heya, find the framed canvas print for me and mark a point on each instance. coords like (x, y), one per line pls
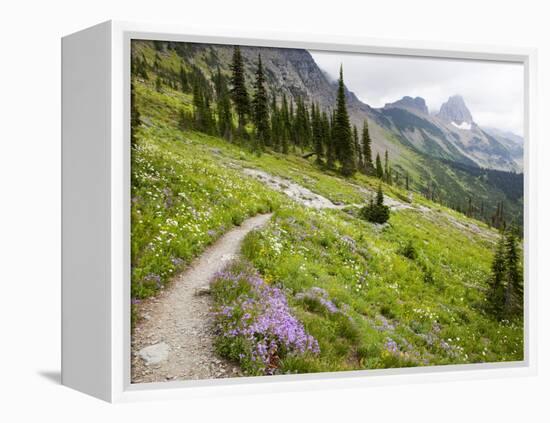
(273, 212)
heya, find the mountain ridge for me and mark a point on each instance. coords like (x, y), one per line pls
(418, 143)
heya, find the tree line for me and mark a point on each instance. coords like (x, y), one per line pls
(226, 106)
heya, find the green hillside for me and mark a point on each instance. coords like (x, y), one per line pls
(412, 292)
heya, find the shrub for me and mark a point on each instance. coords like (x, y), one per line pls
(408, 250)
(376, 212)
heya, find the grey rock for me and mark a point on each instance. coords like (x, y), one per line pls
(407, 102)
(455, 110)
(202, 290)
(155, 354)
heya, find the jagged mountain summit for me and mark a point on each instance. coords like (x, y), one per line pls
(417, 104)
(454, 111)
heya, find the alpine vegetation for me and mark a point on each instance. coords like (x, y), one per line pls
(280, 225)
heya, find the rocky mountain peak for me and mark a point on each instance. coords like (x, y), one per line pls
(417, 103)
(455, 110)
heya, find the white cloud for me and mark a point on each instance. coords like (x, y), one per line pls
(493, 91)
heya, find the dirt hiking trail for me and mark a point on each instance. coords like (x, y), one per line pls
(174, 339)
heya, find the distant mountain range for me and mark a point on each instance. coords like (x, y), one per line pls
(452, 134)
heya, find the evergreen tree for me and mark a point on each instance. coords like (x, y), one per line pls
(470, 208)
(275, 125)
(203, 118)
(331, 145)
(292, 126)
(407, 181)
(261, 108)
(379, 169)
(317, 133)
(505, 294)
(285, 126)
(357, 148)
(497, 281)
(327, 140)
(238, 89)
(134, 115)
(219, 81)
(387, 175)
(300, 124)
(376, 211)
(497, 219)
(185, 120)
(367, 151)
(342, 131)
(225, 116)
(513, 300)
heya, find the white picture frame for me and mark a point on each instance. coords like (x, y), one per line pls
(96, 202)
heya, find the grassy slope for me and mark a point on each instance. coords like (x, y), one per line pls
(187, 191)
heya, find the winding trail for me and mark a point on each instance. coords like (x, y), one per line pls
(174, 340)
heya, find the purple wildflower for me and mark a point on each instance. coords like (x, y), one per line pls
(391, 346)
(261, 316)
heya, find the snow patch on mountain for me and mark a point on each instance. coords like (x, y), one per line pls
(464, 125)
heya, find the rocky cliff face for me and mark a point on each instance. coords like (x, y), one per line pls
(418, 104)
(455, 110)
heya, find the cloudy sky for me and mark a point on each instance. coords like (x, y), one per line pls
(492, 91)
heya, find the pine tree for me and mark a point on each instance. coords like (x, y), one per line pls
(387, 174)
(285, 126)
(238, 89)
(505, 294)
(225, 116)
(261, 108)
(342, 131)
(275, 125)
(204, 121)
(331, 145)
(496, 282)
(513, 299)
(300, 124)
(379, 168)
(185, 120)
(470, 209)
(497, 219)
(376, 211)
(357, 148)
(368, 166)
(219, 81)
(292, 127)
(327, 140)
(407, 181)
(134, 115)
(379, 196)
(317, 132)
